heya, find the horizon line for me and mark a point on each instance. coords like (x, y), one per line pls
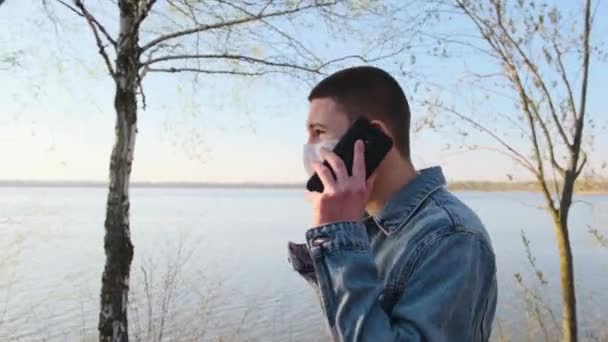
(99, 183)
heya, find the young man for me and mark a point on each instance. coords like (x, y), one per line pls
(420, 267)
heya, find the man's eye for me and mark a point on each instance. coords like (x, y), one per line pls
(318, 132)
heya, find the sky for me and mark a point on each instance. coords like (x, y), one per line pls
(57, 117)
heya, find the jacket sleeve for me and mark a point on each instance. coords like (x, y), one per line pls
(450, 294)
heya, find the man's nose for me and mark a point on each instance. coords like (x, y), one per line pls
(313, 140)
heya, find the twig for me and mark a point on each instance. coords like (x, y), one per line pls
(524, 161)
(362, 58)
(539, 275)
(141, 89)
(582, 164)
(562, 72)
(534, 70)
(102, 51)
(548, 139)
(149, 300)
(229, 23)
(84, 14)
(273, 27)
(532, 301)
(211, 72)
(247, 59)
(599, 237)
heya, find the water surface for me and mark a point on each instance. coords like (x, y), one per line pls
(215, 262)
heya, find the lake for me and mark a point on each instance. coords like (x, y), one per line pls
(211, 264)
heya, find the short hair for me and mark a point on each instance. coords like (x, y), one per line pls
(372, 93)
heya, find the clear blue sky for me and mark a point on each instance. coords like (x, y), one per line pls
(56, 119)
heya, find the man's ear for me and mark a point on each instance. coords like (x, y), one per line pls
(382, 126)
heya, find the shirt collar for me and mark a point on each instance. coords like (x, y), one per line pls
(402, 206)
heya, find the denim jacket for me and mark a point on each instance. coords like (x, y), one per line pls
(422, 269)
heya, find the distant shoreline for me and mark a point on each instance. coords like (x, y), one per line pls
(583, 186)
(193, 185)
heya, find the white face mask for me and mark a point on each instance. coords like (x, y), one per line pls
(312, 152)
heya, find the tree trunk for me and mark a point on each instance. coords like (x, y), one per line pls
(569, 326)
(113, 323)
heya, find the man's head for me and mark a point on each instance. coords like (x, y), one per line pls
(366, 91)
(338, 100)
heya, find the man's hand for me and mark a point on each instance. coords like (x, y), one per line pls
(344, 197)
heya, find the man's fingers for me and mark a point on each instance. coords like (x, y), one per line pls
(329, 183)
(336, 164)
(359, 161)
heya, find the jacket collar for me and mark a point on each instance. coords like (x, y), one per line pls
(403, 205)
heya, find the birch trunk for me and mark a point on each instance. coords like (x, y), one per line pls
(113, 323)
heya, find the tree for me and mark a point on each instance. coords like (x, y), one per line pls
(217, 37)
(537, 51)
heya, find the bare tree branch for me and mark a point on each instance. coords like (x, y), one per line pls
(530, 115)
(548, 138)
(540, 174)
(143, 13)
(361, 58)
(483, 28)
(556, 185)
(582, 164)
(273, 27)
(141, 89)
(507, 154)
(584, 82)
(68, 6)
(511, 69)
(198, 38)
(449, 39)
(516, 155)
(91, 21)
(165, 16)
(575, 168)
(521, 129)
(249, 59)
(179, 9)
(534, 70)
(513, 75)
(268, 3)
(564, 76)
(148, 7)
(84, 13)
(526, 104)
(489, 75)
(202, 28)
(241, 58)
(168, 47)
(211, 72)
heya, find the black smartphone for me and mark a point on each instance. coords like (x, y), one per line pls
(377, 145)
